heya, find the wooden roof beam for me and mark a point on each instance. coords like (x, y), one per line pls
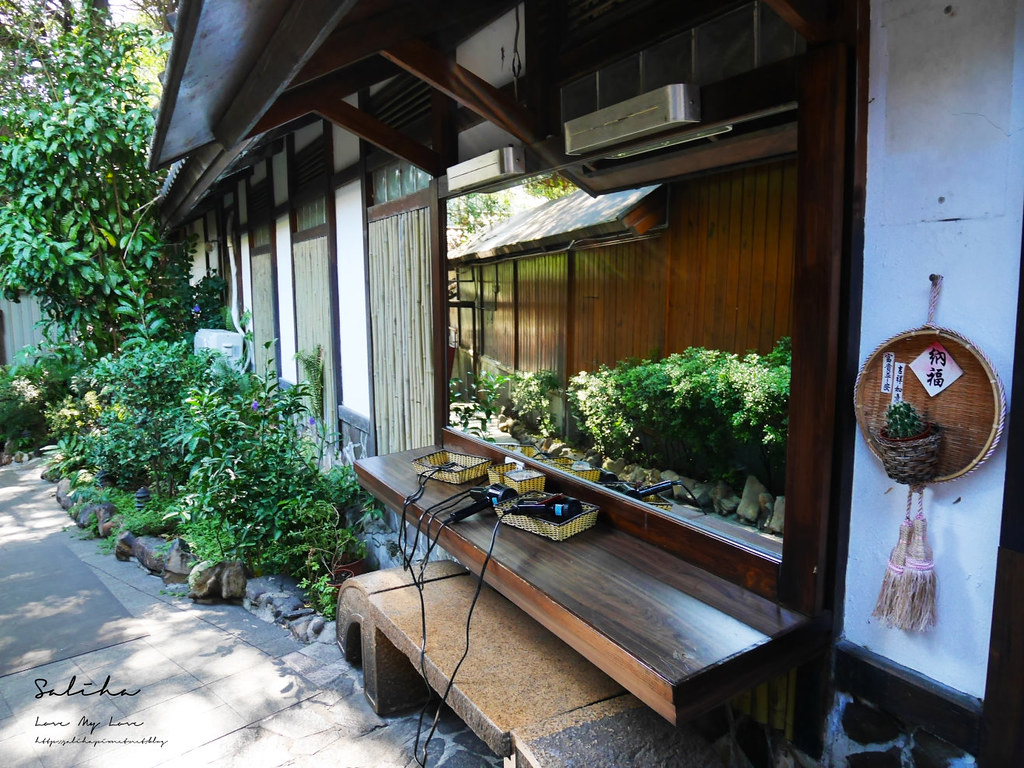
(296, 102)
(810, 18)
(369, 128)
(461, 85)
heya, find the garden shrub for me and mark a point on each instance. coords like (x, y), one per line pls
(529, 395)
(703, 412)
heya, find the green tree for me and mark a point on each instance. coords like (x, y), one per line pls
(78, 225)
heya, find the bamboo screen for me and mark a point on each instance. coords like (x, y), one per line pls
(263, 330)
(400, 318)
(313, 278)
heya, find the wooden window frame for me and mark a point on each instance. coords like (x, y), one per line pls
(797, 581)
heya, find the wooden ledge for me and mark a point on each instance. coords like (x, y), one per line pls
(679, 638)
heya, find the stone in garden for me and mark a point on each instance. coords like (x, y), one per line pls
(546, 444)
(65, 497)
(615, 466)
(724, 498)
(178, 563)
(21, 457)
(50, 474)
(328, 634)
(125, 546)
(702, 492)
(638, 475)
(778, 521)
(149, 551)
(767, 504)
(82, 514)
(520, 433)
(556, 449)
(210, 581)
(680, 492)
(593, 458)
(669, 475)
(316, 626)
(104, 514)
(107, 528)
(750, 507)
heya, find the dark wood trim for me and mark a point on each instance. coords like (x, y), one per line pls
(344, 176)
(273, 273)
(749, 148)
(461, 85)
(332, 260)
(411, 202)
(914, 699)
(1002, 735)
(302, 30)
(369, 128)
(320, 230)
(364, 189)
(438, 214)
(812, 19)
(712, 552)
(817, 271)
(297, 102)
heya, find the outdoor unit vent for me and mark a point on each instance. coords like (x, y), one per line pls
(498, 165)
(643, 115)
(226, 343)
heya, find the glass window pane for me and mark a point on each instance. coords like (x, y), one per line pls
(579, 97)
(619, 82)
(669, 62)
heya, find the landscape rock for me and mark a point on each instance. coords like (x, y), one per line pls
(702, 492)
(749, 507)
(125, 546)
(209, 581)
(767, 504)
(50, 474)
(638, 475)
(669, 475)
(178, 563)
(316, 626)
(328, 634)
(150, 552)
(615, 466)
(724, 498)
(681, 492)
(778, 521)
(555, 449)
(65, 497)
(107, 528)
(21, 457)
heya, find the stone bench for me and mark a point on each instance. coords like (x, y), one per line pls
(530, 697)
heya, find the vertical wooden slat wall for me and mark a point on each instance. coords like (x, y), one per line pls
(19, 325)
(262, 311)
(541, 293)
(400, 312)
(730, 259)
(620, 299)
(311, 261)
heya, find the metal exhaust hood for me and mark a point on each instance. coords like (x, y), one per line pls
(649, 113)
(505, 164)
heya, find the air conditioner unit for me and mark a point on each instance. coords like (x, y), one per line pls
(227, 343)
(497, 165)
(643, 115)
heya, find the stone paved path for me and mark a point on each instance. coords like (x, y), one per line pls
(216, 686)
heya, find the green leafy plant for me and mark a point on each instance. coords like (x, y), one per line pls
(902, 421)
(530, 395)
(476, 400)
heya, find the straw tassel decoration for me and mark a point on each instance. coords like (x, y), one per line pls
(907, 597)
(890, 593)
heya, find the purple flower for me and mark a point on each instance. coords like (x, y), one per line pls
(255, 405)
(312, 421)
(196, 309)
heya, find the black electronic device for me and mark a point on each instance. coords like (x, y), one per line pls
(651, 490)
(552, 507)
(483, 498)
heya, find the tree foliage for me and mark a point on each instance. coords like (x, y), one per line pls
(78, 225)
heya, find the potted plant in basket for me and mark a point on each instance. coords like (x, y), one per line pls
(908, 444)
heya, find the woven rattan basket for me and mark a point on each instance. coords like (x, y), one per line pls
(527, 450)
(584, 470)
(523, 480)
(496, 472)
(911, 460)
(458, 468)
(559, 531)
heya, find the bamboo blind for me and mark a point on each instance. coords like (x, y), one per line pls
(263, 311)
(400, 318)
(313, 278)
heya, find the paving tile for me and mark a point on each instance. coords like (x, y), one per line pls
(262, 691)
(322, 652)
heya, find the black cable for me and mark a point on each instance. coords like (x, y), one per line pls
(451, 680)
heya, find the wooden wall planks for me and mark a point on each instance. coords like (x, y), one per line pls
(263, 303)
(721, 277)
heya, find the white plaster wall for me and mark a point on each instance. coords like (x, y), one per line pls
(488, 53)
(945, 191)
(355, 353)
(243, 257)
(346, 145)
(195, 231)
(285, 292)
(307, 135)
